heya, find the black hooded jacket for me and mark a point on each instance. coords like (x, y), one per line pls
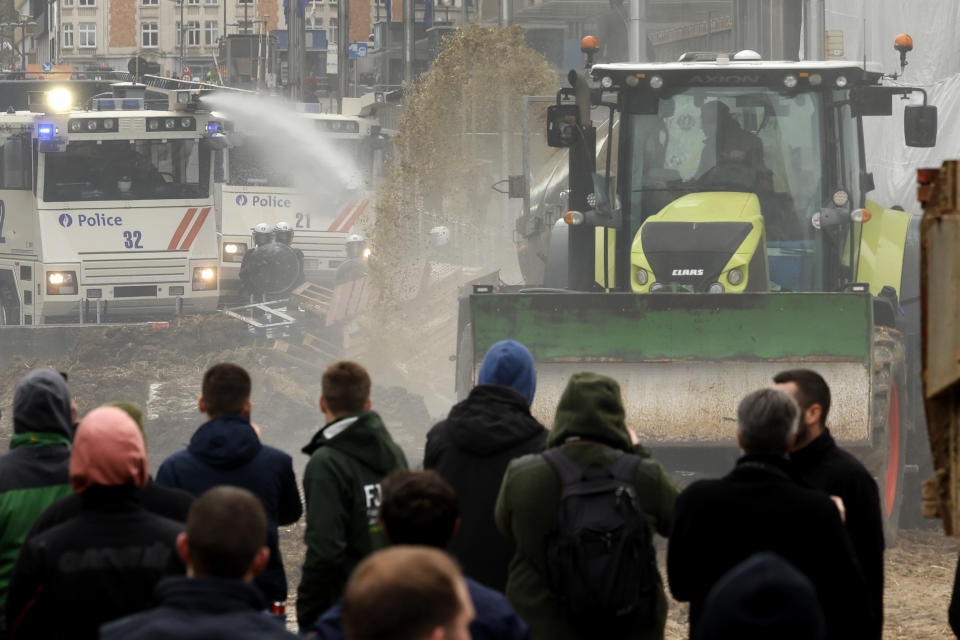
(471, 450)
(226, 450)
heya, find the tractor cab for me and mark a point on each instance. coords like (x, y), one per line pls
(732, 174)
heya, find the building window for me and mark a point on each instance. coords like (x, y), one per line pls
(68, 35)
(87, 3)
(211, 31)
(88, 34)
(193, 1)
(149, 2)
(193, 33)
(244, 1)
(214, 2)
(149, 34)
(67, 3)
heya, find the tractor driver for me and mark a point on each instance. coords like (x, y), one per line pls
(730, 153)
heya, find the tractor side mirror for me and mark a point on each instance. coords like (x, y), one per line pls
(563, 125)
(920, 126)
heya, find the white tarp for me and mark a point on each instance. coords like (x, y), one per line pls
(933, 65)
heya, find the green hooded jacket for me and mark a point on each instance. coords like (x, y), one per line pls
(341, 485)
(35, 472)
(590, 427)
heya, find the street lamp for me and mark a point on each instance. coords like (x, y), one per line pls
(183, 35)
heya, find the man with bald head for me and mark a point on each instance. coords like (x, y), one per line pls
(407, 593)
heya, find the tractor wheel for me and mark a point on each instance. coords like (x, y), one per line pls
(890, 427)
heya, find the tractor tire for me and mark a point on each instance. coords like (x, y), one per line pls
(890, 427)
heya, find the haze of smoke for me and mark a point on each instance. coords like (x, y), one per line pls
(447, 154)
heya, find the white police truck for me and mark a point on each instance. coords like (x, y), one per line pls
(258, 189)
(107, 211)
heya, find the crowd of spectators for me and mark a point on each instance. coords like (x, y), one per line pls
(512, 531)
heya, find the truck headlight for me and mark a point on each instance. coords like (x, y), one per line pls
(204, 278)
(61, 283)
(734, 276)
(234, 251)
(642, 276)
(716, 287)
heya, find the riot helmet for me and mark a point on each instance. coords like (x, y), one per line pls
(355, 245)
(262, 234)
(283, 233)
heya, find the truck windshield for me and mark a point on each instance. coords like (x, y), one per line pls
(258, 163)
(744, 139)
(127, 170)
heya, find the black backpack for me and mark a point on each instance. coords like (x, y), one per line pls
(601, 564)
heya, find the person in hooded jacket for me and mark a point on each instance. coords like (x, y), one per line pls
(341, 484)
(36, 471)
(589, 426)
(164, 501)
(471, 450)
(223, 550)
(104, 563)
(227, 450)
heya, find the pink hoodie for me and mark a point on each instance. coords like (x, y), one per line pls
(108, 450)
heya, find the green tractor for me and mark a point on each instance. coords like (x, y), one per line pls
(719, 234)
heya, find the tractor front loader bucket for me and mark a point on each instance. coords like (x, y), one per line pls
(683, 361)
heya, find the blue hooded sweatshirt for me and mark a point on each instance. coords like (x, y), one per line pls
(509, 363)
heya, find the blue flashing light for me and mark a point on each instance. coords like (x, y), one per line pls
(45, 131)
(213, 127)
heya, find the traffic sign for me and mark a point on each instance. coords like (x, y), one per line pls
(46, 66)
(185, 72)
(357, 50)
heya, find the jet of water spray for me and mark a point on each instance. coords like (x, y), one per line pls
(290, 143)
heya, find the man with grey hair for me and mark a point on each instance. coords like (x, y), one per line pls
(758, 507)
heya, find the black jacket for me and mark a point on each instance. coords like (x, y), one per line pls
(825, 466)
(200, 609)
(757, 507)
(226, 450)
(99, 566)
(471, 450)
(163, 501)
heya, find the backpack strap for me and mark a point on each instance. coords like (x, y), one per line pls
(624, 468)
(569, 471)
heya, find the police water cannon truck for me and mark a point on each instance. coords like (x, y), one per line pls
(107, 209)
(257, 190)
(728, 235)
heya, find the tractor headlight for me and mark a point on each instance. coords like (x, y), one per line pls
(656, 82)
(841, 198)
(658, 286)
(61, 283)
(234, 251)
(716, 287)
(734, 276)
(642, 276)
(204, 278)
(790, 81)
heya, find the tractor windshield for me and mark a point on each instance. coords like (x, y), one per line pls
(744, 139)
